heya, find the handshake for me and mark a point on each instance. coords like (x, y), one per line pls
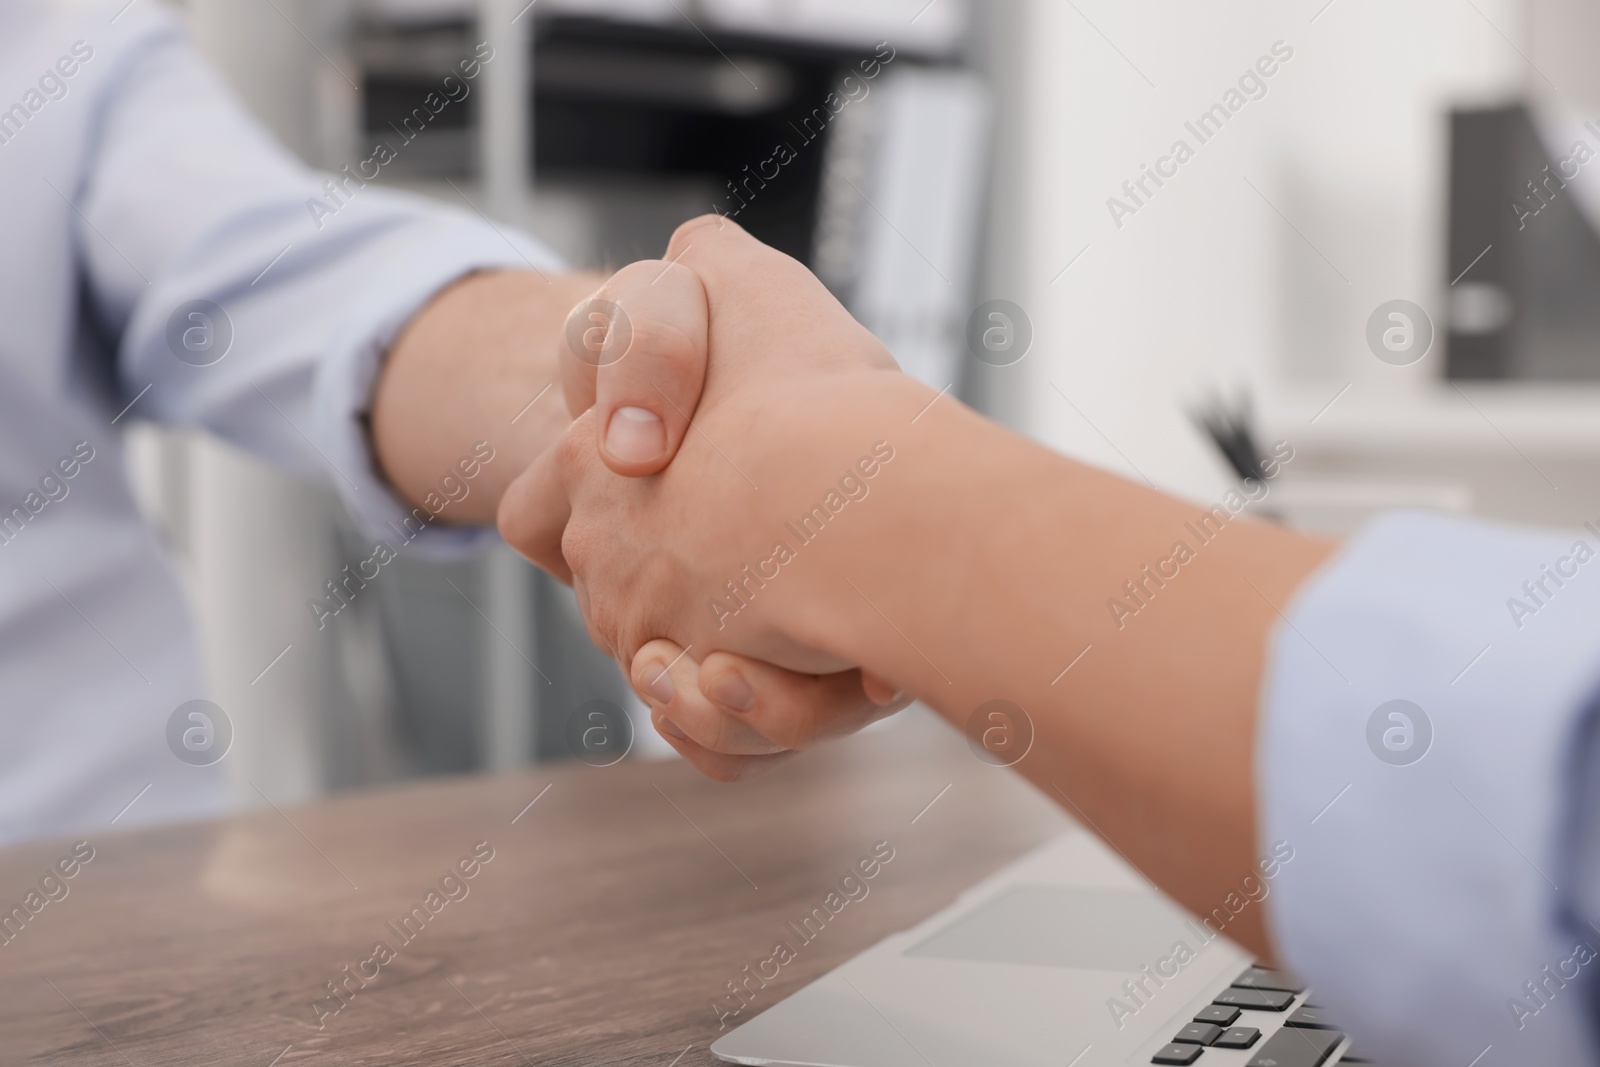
(781, 538)
(710, 498)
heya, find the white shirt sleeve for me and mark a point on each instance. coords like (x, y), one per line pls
(1427, 747)
(187, 202)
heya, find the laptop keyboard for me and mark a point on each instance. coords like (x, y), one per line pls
(1306, 1039)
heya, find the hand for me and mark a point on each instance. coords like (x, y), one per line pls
(754, 300)
(654, 314)
(506, 358)
(732, 716)
(974, 567)
(784, 358)
(729, 716)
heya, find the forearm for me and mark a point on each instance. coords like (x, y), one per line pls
(984, 566)
(468, 369)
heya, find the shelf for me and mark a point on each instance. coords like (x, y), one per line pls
(1547, 418)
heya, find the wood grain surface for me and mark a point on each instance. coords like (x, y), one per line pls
(614, 910)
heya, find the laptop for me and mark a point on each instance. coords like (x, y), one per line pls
(1065, 958)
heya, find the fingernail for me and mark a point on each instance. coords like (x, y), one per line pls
(658, 683)
(635, 435)
(732, 691)
(670, 727)
(879, 691)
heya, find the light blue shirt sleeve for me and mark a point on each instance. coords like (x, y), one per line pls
(187, 202)
(1427, 746)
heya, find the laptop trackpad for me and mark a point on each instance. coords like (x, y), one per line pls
(1063, 926)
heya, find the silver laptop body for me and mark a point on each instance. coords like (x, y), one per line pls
(1066, 958)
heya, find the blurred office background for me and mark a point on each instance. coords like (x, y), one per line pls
(1381, 161)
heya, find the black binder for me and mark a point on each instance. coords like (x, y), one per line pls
(1524, 261)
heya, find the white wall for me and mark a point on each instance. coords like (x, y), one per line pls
(258, 539)
(1208, 282)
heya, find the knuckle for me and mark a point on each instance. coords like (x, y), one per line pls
(512, 522)
(661, 339)
(688, 229)
(629, 639)
(577, 548)
(794, 726)
(571, 449)
(599, 632)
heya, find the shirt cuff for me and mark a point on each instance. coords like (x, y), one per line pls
(344, 382)
(1419, 714)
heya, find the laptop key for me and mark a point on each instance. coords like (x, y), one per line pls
(1257, 999)
(1179, 1054)
(1261, 978)
(1237, 1037)
(1220, 1014)
(1310, 1018)
(1297, 1048)
(1197, 1034)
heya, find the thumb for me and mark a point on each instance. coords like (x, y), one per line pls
(636, 352)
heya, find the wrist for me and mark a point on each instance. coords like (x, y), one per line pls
(477, 366)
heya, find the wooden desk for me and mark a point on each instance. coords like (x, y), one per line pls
(614, 910)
